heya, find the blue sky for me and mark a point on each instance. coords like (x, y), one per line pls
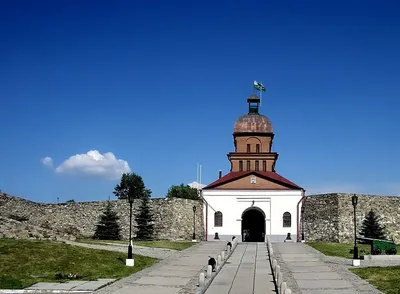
(160, 84)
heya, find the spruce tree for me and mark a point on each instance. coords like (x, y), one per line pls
(144, 220)
(108, 228)
(371, 227)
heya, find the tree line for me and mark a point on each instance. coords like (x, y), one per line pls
(132, 187)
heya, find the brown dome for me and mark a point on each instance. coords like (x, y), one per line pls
(253, 123)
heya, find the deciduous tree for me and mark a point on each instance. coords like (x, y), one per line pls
(131, 186)
(182, 191)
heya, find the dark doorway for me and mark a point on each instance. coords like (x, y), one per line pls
(253, 225)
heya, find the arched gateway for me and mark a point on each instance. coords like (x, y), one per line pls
(253, 225)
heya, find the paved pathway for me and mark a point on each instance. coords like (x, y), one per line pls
(247, 271)
(308, 271)
(160, 253)
(178, 274)
(86, 286)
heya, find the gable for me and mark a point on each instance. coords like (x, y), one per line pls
(244, 183)
(272, 181)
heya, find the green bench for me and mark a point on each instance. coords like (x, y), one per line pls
(380, 246)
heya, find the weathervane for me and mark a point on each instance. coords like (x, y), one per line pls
(259, 87)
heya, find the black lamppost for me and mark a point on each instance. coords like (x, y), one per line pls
(354, 200)
(194, 222)
(302, 223)
(130, 200)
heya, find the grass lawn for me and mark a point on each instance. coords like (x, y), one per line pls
(178, 245)
(342, 250)
(386, 279)
(19, 259)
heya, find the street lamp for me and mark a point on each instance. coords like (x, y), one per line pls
(302, 223)
(194, 222)
(130, 197)
(354, 200)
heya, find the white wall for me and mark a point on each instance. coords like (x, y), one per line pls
(233, 203)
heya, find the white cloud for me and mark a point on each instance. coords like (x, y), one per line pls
(93, 163)
(196, 185)
(47, 162)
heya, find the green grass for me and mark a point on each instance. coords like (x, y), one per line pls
(19, 259)
(342, 250)
(178, 245)
(386, 279)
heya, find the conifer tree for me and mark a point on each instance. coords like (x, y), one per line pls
(144, 220)
(371, 227)
(108, 228)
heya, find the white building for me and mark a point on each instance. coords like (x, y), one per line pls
(252, 201)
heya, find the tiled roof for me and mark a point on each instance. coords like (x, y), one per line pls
(272, 176)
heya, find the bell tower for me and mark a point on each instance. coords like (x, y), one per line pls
(253, 135)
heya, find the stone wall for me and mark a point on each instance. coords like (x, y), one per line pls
(14, 229)
(386, 207)
(173, 218)
(329, 217)
(321, 218)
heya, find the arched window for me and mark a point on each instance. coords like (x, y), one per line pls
(218, 219)
(287, 220)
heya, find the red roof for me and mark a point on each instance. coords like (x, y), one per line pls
(271, 176)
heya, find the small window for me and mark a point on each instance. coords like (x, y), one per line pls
(257, 165)
(218, 219)
(248, 165)
(248, 148)
(287, 220)
(258, 148)
(241, 165)
(264, 165)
